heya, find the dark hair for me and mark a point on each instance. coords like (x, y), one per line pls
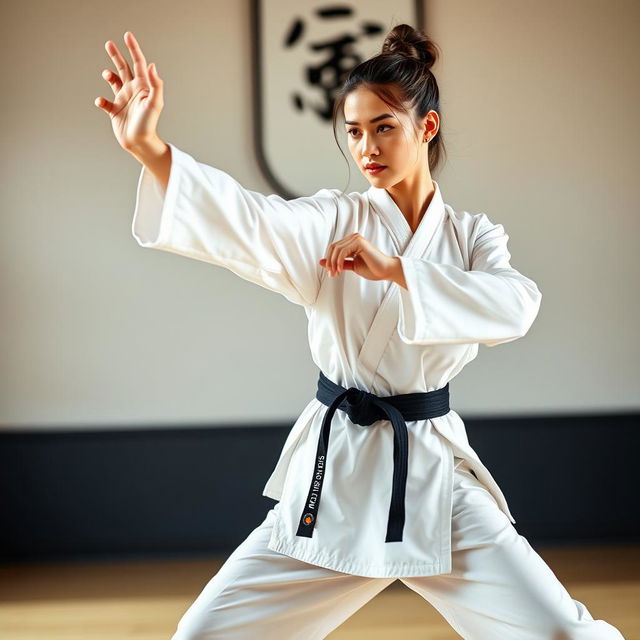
(404, 64)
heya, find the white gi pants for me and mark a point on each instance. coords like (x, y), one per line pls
(499, 587)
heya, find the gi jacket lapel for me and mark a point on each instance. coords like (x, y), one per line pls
(407, 244)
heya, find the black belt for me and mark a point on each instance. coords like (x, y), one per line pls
(365, 408)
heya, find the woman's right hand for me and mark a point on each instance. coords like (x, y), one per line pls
(138, 99)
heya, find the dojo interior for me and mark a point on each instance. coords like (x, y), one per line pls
(145, 398)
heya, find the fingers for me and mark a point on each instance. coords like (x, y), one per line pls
(326, 266)
(104, 104)
(336, 261)
(113, 79)
(347, 258)
(139, 61)
(120, 63)
(338, 252)
(342, 256)
(332, 258)
(155, 84)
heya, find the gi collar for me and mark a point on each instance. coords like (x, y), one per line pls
(386, 207)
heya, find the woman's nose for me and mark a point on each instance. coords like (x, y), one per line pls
(369, 151)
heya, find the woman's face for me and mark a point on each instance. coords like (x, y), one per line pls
(392, 141)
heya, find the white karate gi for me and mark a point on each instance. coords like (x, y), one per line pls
(376, 336)
(499, 588)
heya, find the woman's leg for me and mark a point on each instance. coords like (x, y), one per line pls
(499, 586)
(258, 593)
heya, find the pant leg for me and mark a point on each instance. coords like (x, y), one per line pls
(499, 587)
(258, 593)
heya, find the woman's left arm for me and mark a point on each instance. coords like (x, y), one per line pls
(490, 304)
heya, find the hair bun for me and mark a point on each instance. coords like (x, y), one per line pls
(409, 42)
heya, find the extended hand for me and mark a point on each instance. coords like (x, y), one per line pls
(137, 96)
(357, 254)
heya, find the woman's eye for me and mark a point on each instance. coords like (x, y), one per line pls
(382, 125)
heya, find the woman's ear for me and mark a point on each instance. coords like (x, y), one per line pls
(432, 121)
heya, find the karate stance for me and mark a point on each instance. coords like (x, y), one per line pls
(377, 480)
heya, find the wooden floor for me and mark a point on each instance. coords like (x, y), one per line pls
(143, 600)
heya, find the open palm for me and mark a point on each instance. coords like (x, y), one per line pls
(137, 96)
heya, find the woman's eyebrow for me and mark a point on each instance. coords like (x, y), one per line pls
(382, 117)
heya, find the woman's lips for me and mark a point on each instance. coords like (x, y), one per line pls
(375, 170)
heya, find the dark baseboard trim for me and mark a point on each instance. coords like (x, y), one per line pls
(178, 492)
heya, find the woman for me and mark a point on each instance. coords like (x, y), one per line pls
(399, 290)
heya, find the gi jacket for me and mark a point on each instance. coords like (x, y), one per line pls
(373, 335)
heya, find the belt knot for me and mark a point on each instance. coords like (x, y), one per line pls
(359, 408)
(365, 408)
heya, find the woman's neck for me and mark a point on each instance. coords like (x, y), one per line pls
(413, 196)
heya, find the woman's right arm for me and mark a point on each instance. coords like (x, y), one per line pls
(156, 158)
(201, 212)
(137, 103)
(204, 213)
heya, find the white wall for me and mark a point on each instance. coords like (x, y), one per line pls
(540, 105)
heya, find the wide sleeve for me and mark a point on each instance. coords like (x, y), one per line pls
(207, 215)
(491, 303)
